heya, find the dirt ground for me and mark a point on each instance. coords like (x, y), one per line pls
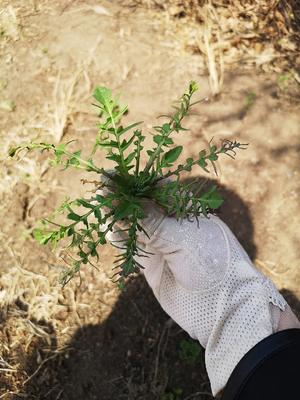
(91, 341)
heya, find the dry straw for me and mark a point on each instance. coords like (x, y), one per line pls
(211, 47)
(236, 33)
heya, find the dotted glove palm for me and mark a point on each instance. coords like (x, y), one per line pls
(205, 281)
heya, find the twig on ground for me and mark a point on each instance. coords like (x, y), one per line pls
(39, 367)
(212, 51)
(165, 331)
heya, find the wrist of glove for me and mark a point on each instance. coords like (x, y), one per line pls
(205, 281)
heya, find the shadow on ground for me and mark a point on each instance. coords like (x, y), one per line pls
(135, 353)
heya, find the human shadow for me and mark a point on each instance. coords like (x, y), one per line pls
(136, 353)
(133, 355)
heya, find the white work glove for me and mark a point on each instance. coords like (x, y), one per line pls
(205, 281)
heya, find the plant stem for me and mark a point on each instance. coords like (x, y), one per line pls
(137, 164)
(83, 162)
(82, 217)
(155, 154)
(118, 141)
(178, 170)
(222, 150)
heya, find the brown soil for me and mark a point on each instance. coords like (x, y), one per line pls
(90, 341)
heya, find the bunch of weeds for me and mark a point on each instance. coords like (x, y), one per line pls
(90, 219)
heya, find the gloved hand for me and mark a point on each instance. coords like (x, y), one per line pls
(205, 281)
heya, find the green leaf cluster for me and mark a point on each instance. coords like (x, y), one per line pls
(189, 351)
(88, 220)
(173, 394)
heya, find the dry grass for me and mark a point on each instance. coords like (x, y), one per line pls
(69, 94)
(37, 314)
(37, 291)
(260, 34)
(212, 49)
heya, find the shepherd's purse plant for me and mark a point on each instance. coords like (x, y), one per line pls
(129, 185)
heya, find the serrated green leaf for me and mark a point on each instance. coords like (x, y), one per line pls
(121, 284)
(100, 198)
(77, 239)
(92, 246)
(71, 231)
(166, 128)
(126, 143)
(84, 203)
(203, 164)
(212, 198)
(114, 157)
(111, 143)
(102, 239)
(168, 141)
(213, 157)
(85, 221)
(129, 158)
(83, 256)
(128, 267)
(102, 94)
(215, 201)
(58, 152)
(74, 217)
(171, 156)
(77, 153)
(193, 87)
(74, 160)
(91, 165)
(123, 210)
(42, 237)
(122, 130)
(158, 139)
(97, 214)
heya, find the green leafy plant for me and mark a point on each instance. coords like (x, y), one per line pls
(90, 219)
(250, 99)
(283, 80)
(190, 351)
(174, 394)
